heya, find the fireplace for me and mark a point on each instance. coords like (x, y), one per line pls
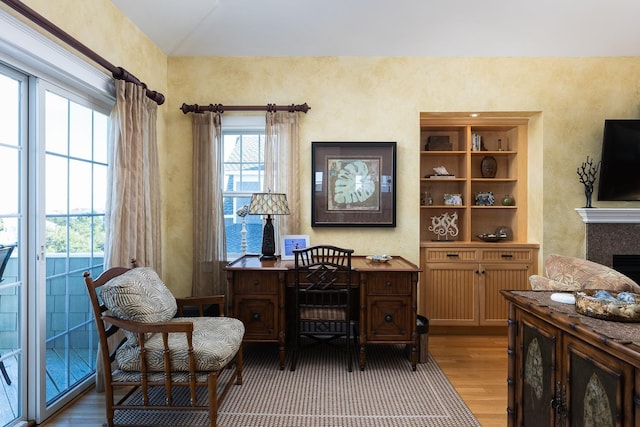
(613, 234)
(629, 265)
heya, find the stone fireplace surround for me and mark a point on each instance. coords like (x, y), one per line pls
(610, 232)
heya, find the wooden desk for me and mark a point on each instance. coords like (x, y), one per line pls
(569, 369)
(388, 301)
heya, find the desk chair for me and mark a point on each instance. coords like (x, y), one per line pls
(5, 254)
(323, 295)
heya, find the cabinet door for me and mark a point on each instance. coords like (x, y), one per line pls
(601, 387)
(536, 361)
(494, 309)
(451, 293)
(259, 315)
(389, 318)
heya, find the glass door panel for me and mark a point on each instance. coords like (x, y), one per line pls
(75, 154)
(12, 315)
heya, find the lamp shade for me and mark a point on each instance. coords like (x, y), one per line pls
(268, 204)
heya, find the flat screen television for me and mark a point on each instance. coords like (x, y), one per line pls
(620, 169)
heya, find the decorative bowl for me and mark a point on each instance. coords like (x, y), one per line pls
(485, 199)
(492, 237)
(379, 258)
(608, 305)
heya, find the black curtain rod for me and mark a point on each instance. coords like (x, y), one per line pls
(118, 73)
(219, 108)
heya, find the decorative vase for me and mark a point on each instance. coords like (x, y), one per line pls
(489, 167)
(508, 200)
(588, 192)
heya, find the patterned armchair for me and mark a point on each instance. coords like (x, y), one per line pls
(170, 363)
(571, 274)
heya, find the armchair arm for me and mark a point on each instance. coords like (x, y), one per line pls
(201, 304)
(149, 328)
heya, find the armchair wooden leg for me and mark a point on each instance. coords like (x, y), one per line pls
(213, 400)
(239, 364)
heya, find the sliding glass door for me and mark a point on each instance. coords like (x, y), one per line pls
(53, 158)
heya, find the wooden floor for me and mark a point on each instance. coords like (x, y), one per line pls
(475, 365)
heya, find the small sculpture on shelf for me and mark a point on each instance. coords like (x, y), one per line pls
(445, 224)
(588, 173)
(440, 172)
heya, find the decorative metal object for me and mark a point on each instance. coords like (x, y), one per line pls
(268, 204)
(444, 225)
(588, 173)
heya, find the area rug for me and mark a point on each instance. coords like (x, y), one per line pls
(322, 393)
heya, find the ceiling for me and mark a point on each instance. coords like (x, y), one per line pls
(389, 27)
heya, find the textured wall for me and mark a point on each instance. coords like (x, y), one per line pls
(378, 99)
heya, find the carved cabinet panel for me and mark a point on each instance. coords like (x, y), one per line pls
(563, 373)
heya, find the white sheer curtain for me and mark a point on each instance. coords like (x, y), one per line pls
(209, 240)
(132, 215)
(133, 187)
(281, 168)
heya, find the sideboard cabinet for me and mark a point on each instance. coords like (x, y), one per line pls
(566, 369)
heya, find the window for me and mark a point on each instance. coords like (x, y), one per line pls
(243, 146)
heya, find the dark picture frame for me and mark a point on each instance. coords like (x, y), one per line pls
(353, 184)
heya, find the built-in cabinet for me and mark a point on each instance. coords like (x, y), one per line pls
(563, 372)
(473, 175)
(462, 283)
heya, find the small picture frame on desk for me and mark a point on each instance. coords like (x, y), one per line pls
(289, 242)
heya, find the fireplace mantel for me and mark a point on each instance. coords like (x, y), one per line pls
(609, 215)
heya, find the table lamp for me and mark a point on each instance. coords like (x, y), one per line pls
(268, 204)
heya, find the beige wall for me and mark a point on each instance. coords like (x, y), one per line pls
(375, 99)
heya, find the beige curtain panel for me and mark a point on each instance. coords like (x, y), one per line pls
(281, 168)
(132, 215)
(209, 240)
(133, 186)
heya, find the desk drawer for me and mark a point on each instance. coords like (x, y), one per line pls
(391, 283)
(255, 282)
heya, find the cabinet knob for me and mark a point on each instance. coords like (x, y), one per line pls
(507, 256)
(256, 282)
(453, 255)
(388, 318)
(255, 316)
(389, 284)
